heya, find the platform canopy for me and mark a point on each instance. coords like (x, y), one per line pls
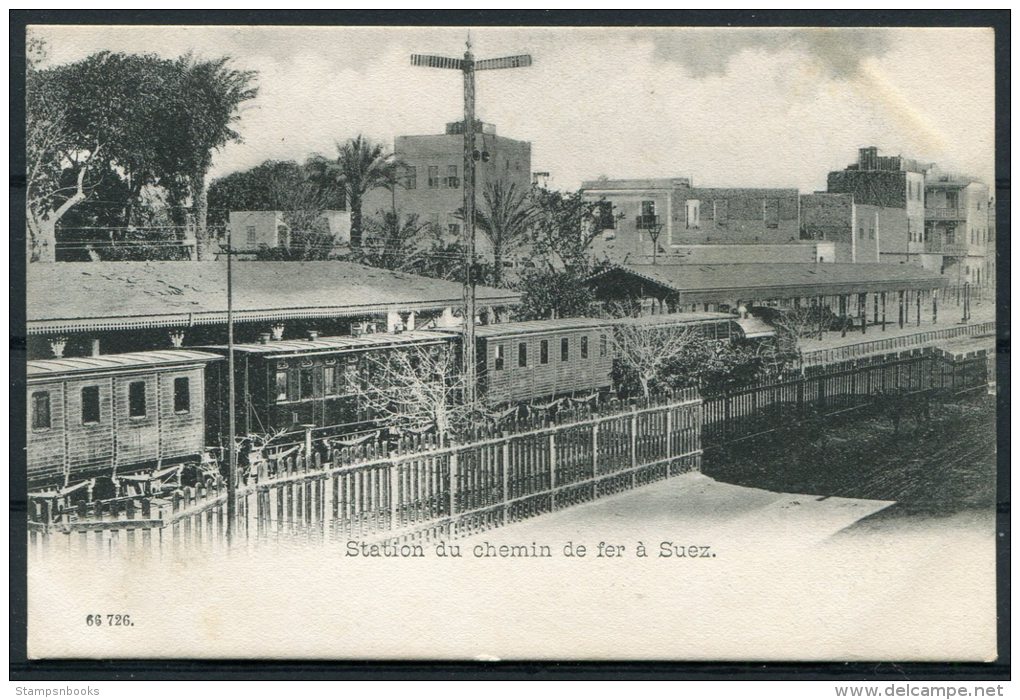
(690, 284)
(64, 297)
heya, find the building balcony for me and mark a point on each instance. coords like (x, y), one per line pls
(945, 214)
(943, 248)
(646, 222)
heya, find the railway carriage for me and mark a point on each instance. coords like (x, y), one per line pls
(282, 385)
(110, 414)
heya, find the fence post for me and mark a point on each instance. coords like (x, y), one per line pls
(633, 446)
(394, 496)
(669, 441)
(552, 470)
(453, 486)
(506, 479)
(594, 458)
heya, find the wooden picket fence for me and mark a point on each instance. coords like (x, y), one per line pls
(741, 412)
(420, 490)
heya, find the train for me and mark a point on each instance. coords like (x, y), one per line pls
(144, 414)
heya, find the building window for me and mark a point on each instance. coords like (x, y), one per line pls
(136, 400)
(90, 405)
(329, 381)
(861, 233)
(543, 352)
(603, 345)
(646, 219)
(41, 410)
(433, 177)
(453, 230)
(499, 357)
(281, 385)
(452, 181)
(564, 349)
(522, 354)
(410, 177)
(182, 395)
(306, 381)
(871, 233)
(252, 239)
(693, 208)
(584, 347)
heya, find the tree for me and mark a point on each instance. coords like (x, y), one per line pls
(550, 293)
(360, 167)
(644, 349)
(205, 105)
(564, 227)
(396, 242)
(414, 388)
(506, 218)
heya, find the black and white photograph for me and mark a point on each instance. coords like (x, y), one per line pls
(662, 343)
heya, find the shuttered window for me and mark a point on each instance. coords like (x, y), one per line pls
(182, 395)
(543, 352)
(307, 384)
(136, 400)
(564, 349)
(584, 347)
(603, 345)
(281, 385)
(329, 381)
(90, 405)
(522, 354)
(41, 410)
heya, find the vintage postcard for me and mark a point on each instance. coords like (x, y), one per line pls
(529, 343)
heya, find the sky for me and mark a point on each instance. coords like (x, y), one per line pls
(728, 107)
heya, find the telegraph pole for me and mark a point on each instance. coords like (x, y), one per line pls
(468, 66)
(231, 417)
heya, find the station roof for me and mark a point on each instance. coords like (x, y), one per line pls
(65, 297)
(727, 282)
(550, 325)
(275, 348)
(130, 360)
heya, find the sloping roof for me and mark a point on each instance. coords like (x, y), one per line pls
(540, 326)
(129, 360)
(775, 280)
(109, 295)
(678, 318)
(334, 343)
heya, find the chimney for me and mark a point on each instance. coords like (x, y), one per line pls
(313, 334)
(264, 338)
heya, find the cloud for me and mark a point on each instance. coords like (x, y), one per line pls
(839, 53)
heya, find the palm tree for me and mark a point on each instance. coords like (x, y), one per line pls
(506, 218)
(360, 167)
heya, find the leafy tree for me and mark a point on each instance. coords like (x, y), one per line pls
(204, 107)
(549, 293)
(506, 217)
(564, 227)
(396, 242)
(359, 167)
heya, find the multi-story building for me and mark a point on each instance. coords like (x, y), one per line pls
(856, 230)
(894, 187)
(960, 227)
(431, 183)
(667, 216)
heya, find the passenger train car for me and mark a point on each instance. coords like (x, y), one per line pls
(136, 412)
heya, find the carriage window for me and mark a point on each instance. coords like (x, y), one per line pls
(522, 354)
(89, 405)
(281, 385)
(182, 395)
(307, 384)
(584, 347)
(543, 352)
(41, 410)
(136, 399)
(329, 381)
(499, 357)
(603, 345)
(564, 349)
